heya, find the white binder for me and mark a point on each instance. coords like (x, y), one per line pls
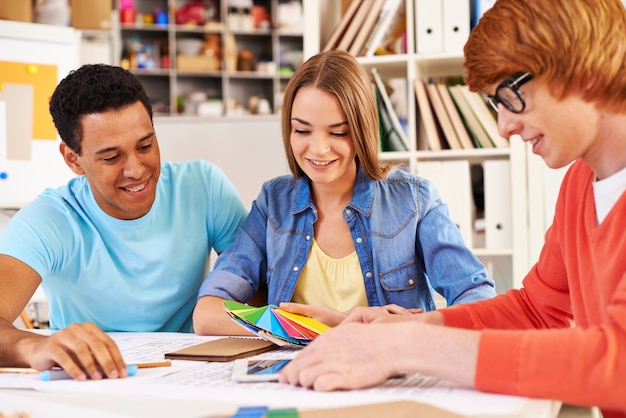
(498, 217)
(452, 179)
(429, 26)
(456, 25)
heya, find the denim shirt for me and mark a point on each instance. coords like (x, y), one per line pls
(405, 241)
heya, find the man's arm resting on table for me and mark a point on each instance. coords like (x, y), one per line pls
(81, 349)
(395, 344)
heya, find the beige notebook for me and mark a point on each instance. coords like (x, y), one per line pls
(399, 409)
(224, 349)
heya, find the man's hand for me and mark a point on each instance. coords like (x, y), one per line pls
(350, 356)
(82, 350)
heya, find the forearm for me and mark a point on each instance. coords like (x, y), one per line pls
(210, 318)
(15, 345)
(448, 353)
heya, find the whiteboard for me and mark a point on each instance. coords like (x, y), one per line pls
(39, 163)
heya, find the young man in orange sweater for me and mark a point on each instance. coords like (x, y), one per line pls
(554, 71)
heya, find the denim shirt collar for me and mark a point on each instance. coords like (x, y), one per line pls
(362, 196)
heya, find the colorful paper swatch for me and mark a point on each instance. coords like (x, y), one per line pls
(275, 324)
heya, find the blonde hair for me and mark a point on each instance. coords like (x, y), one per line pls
(574, 46)
(339, 73)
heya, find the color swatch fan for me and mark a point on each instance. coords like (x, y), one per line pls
(275, 324)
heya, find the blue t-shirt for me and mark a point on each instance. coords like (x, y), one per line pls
(127, 275)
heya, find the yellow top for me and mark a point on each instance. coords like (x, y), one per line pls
(327, 281)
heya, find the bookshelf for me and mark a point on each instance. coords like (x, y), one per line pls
(247, 55)
(506, 252)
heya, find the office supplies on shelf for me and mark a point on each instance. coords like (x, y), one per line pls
(498, 217)
(485, 117)
(428, 26)
(392, 130)
(223, 349)
(275, 324)
(429, 136)
(355, 26)
(455, 117)
(471, 121)
(48, 375)
(449, 136)
(452, 179)
(373, 13)
(343, 25)
(456, 25)
(391, 18)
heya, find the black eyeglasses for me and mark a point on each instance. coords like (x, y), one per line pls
(508, 94)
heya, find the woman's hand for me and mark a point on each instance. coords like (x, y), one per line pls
(325, 315)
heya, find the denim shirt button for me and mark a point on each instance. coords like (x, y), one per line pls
(296, 268)
(411, 282)
(348, 211)
(359, 240)
(308, 237)
(368, 274)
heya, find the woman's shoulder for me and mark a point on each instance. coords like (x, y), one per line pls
(400, 177)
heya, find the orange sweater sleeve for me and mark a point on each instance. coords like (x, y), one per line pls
(563, 335)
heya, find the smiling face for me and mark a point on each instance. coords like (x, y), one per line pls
(559, 130)
(320, 138)
(120, 160)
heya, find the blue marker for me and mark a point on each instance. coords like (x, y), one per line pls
(62, 374)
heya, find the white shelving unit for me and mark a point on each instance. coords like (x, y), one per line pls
(507, 265)
(169, 85)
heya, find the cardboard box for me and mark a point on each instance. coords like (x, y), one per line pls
(91, 14)
(196, 63)
(20, 10)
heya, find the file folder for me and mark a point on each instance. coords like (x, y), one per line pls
(428, 26)
(452, 180)
(498, 217)
(456, 25)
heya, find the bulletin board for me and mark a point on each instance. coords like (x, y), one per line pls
(33, 59)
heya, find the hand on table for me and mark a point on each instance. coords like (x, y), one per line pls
(333, 317)
(352, 355)
(82, 350)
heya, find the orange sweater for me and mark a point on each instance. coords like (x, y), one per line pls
(572, 306)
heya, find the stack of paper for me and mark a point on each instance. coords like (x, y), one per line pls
(274, 324)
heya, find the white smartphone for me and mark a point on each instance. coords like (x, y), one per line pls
(249, 370)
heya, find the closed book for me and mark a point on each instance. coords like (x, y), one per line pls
(484, 116)
(341, 27)
(390, 118)
(355, 25)
(449, 134)
(429, 136)
(471, 122)
(223, 349)
(374, 7)
(455, 118)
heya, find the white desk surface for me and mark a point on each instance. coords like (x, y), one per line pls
(191, 389)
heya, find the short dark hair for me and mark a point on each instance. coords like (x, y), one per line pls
(93, 88)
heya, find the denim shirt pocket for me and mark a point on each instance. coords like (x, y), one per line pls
(405, 276)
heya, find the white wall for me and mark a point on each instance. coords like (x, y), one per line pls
(249, 149)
